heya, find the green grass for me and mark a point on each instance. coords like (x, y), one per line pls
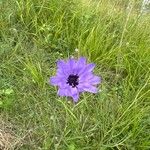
(34, 34)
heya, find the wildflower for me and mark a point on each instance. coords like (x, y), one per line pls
(76, 49)
(75, 76)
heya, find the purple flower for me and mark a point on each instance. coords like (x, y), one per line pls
(75, 76)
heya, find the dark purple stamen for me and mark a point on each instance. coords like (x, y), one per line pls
(73, 80)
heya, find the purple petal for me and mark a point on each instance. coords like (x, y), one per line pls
(54, 80)
(75, 97)
(63, 85)
(61, 92)
(95, 80)
(90, 67)
(61, 63)
(88, 87)
(62, 73)
(89, 78)
(71, 62)
(86, 69)
(91, 89)
(81, 61)
(62, 68)
(74, 91)
(57, 81)
(80, 65)
(75, 94)
(64, 92)
(84, 78)
(71, 65)
(80, 88)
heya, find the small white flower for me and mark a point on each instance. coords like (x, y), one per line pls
(99, 90)
(76, 49)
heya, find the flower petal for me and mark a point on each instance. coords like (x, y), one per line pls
(81, 61)
(70, 66)
(62, 73)
(61, 63)
(91, 89)
(86, 69)
(83, 78)
(89, 78)
(75, 97)
(64, 92)
(62, 68)
(95, 80)
(80, 65)
(71, 62)
(75, 94)
(88, 88)
(90, 67)
(54, 80)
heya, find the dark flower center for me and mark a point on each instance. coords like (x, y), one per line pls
(73, 80)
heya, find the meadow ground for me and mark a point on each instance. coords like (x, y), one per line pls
(34, 34)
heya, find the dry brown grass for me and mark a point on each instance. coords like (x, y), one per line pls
(8, 139)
